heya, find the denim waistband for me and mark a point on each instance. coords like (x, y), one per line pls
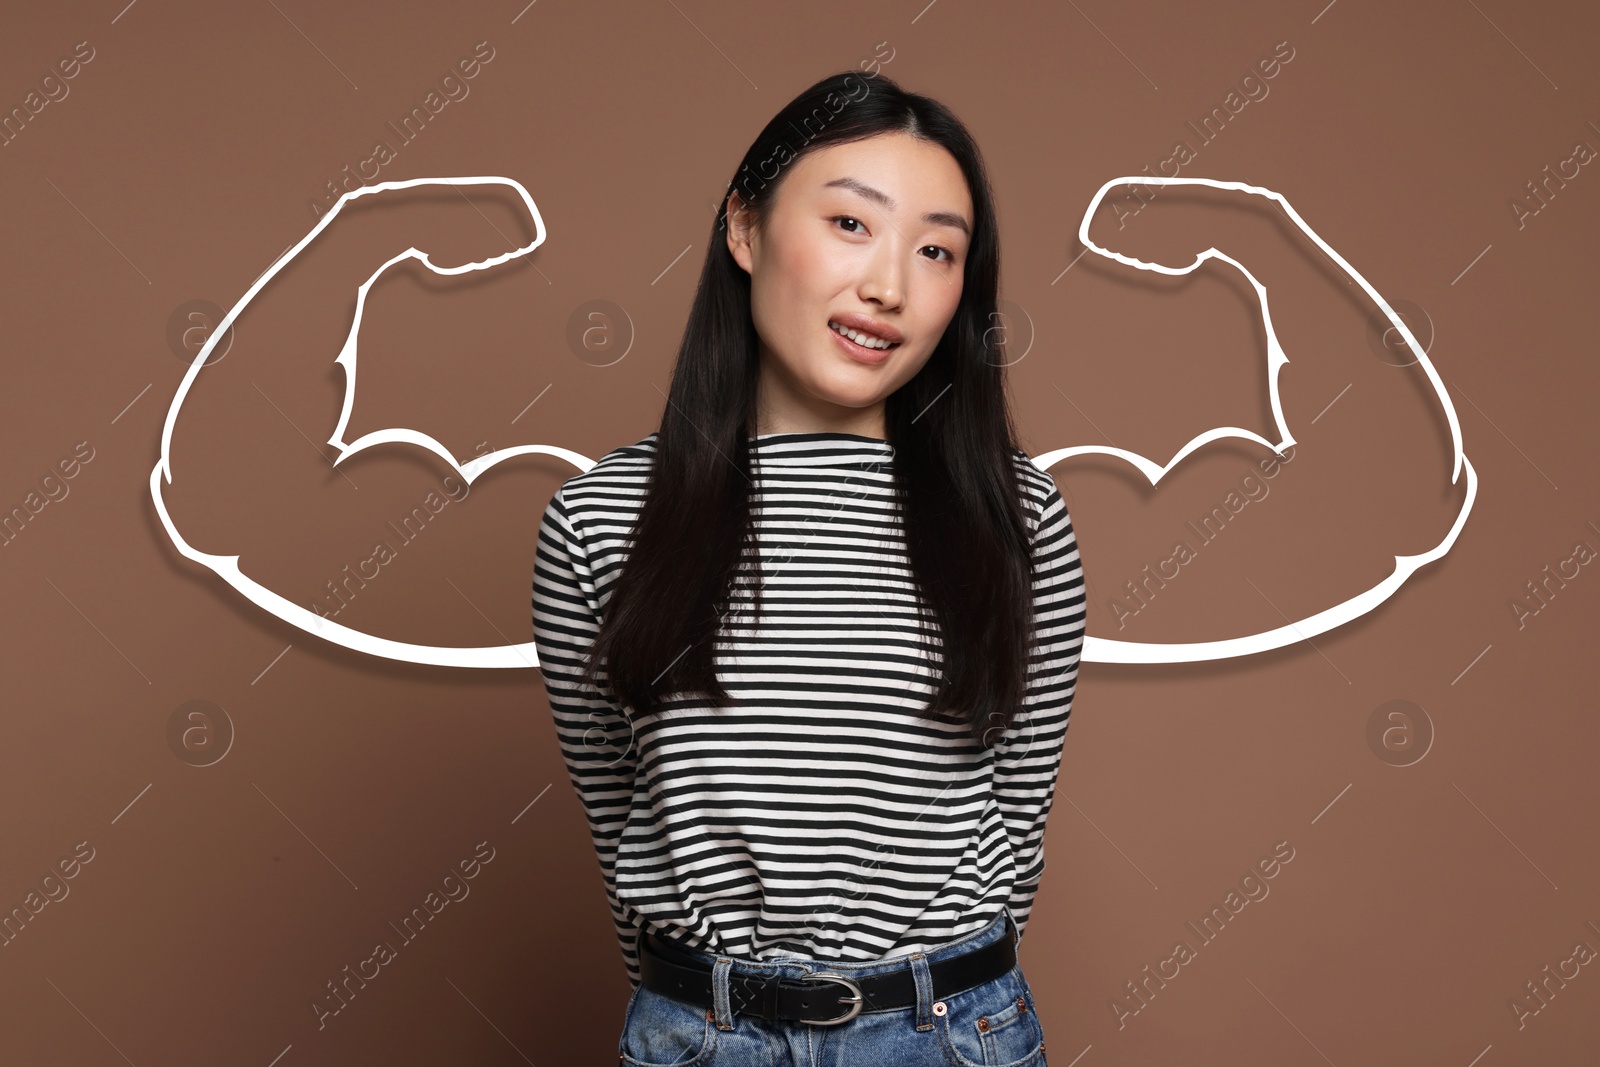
(794, 966)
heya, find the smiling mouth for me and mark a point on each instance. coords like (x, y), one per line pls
(863, 340)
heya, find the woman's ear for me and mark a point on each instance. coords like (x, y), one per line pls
(739, 231)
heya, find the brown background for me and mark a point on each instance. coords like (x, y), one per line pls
(196, 146)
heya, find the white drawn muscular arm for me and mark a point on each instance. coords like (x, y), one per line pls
(1314, 307)
(282, 387)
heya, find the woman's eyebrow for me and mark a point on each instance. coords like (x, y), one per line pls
(940, 218)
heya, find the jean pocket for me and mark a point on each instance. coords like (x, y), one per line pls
(660, 1031)
(993, 1025)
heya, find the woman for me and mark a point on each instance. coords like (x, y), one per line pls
(811, 645)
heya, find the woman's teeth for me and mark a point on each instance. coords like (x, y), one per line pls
(865, 340)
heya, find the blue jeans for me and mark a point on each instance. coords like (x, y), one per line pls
(989, 1025)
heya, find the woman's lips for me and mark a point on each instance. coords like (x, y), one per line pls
(870, 356)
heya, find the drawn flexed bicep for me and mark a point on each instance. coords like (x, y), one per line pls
(266, 446)
(1394, 444)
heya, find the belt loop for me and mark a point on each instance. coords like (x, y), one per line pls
(723, 1011)
(923, 978)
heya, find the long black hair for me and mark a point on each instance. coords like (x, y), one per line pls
(954, 464)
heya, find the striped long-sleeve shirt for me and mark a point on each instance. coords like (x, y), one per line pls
(820, 815)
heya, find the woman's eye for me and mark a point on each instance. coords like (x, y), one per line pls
(949, 256)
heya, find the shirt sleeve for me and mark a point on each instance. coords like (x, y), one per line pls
(595, 736)
(1028, 755)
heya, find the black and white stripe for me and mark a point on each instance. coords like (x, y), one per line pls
(820, 816)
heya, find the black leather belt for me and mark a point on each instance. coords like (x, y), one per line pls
(666, 969)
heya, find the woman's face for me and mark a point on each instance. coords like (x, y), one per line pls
(877, 230)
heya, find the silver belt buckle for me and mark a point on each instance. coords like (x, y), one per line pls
(855, 1001)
